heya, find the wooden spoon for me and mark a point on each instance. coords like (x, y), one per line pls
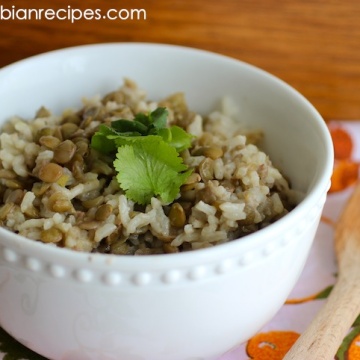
(323, 337)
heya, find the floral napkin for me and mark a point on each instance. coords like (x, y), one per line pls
(275, 338)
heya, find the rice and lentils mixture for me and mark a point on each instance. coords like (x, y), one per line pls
(55, 188)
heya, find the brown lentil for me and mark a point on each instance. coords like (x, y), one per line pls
(50, 173)
(46, 131)
(72, 118)
(82, 147)
(52, 235)
(77, 169)
(177, 215)
(206, 195)
(88, 204)
(120, 248)
(40, 188)
(58, 202)
(7, 174)
(64, 152)
(57, 133)
(193, 178)
(212, 152)
(89, 225)
(42, 112)
(169, 249)
(103, 212)
(14, 196)
(68, 129)
(6, 209)
(12, 183)
(206, 169)
(100, 167)
(49, 141)
(32, 212)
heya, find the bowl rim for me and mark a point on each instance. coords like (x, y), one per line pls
(258, 239)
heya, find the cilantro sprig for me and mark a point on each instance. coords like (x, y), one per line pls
(147, 155)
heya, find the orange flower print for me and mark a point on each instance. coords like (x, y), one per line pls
(323, 294)
(350, 347)
(343, 143)
(344, 175)
(346, 171)
(353, 352)
(272, 345)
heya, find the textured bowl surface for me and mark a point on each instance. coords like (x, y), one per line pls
(189, 306)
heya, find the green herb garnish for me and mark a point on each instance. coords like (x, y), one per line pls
(147, 155)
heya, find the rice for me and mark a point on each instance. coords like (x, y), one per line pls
(234, 189)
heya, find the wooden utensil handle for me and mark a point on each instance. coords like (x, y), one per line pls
(323, 337)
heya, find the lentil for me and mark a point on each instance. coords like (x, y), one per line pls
(50, 172)
(64, 152)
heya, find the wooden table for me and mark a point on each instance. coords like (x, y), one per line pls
(311, 44)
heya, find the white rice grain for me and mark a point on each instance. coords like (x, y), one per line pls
(19, 166)
(27, 201)
(233, 211)
(104, 231)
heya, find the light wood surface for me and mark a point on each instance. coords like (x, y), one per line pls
(311, 44)
(323, 337)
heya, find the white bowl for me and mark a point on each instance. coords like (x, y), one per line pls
(194, 305)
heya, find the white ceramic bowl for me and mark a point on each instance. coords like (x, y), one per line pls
(188, 306)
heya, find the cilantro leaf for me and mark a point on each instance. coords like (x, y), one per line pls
(129, 140)
(180, 139)
(150, 168)
(145, 119)
(124, 125)
(165, 134)
(158, 117)
(100, 140)
(107, 139)
(147, 159)
(176, 137)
